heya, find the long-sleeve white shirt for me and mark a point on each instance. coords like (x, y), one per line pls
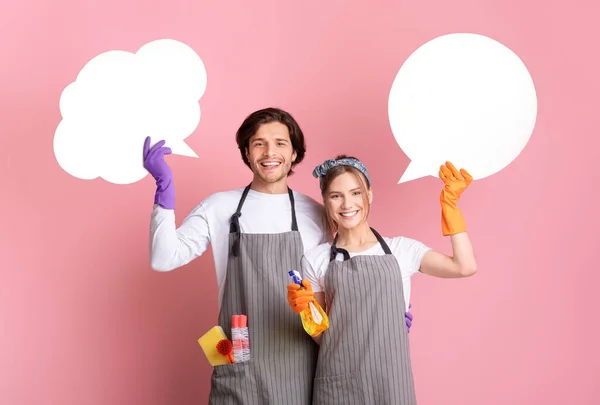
(208, 224)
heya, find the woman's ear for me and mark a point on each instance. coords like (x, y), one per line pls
(370, 194)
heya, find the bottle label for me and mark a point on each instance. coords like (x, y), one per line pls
(316, 315)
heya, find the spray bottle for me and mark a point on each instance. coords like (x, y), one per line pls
(314, 319)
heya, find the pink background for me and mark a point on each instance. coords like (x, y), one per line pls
(86, 321)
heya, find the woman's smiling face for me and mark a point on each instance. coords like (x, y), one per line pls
(347, 201)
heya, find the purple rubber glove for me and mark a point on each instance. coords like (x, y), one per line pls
(409, 318)
(154, 162)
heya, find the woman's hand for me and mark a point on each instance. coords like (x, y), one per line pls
(455, 182)
(299, 297)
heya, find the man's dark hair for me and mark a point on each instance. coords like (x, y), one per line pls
(265, 116)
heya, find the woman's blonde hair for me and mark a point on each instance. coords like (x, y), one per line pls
(331, 227)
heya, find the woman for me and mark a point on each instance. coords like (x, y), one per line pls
(361, 281)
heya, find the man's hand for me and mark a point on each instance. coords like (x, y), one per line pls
(409, 318)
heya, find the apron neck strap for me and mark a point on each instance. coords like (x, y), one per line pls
(234, 226)
(335, 250)
(294, 222)
(384, 245)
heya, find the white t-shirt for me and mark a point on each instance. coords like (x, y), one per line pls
(208, 224)
(408, 253)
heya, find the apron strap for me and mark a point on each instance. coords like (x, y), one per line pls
(234, 226)
(294, 222)
(335, 250)
(384, 245)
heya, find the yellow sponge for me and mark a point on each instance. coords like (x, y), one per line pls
(209, 341)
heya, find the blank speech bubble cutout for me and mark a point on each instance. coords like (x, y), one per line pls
(463, 98)
(118, 99)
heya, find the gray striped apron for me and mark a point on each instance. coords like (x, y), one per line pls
(283, 355)
(364, 356)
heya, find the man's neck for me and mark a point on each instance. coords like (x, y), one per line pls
(280, 187)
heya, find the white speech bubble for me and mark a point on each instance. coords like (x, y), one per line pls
(118, 99)
(463, 98)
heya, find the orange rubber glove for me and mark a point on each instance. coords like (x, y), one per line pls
(299, 297)
(455, 183)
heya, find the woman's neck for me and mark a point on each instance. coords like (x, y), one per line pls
(356, 239)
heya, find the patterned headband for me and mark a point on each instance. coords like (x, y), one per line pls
(321, 170)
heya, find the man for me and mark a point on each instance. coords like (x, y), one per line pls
(258, 233)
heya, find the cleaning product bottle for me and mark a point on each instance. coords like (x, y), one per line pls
(314, 319)
(245, 337)
(237, 339)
